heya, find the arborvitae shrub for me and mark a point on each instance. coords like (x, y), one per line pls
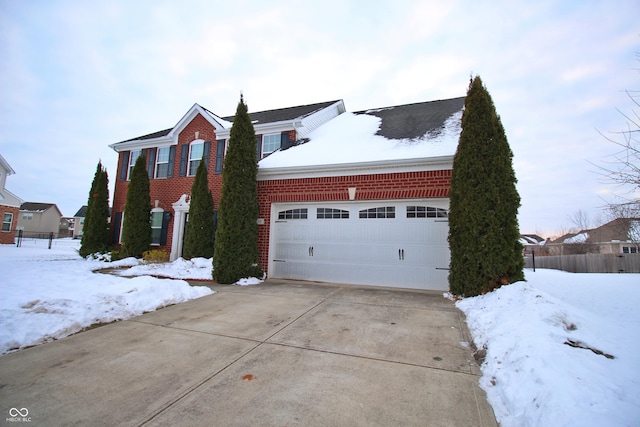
(95, 232)
(200, 231)
(136, 229)
(483, 224)
(236, 245)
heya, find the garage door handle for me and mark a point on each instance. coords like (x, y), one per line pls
(401, 254)
(310, 250)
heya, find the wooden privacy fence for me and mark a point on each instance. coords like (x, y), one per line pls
(588, 263)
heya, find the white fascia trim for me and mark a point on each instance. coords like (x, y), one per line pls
(267, 128)
(186, 119)
(285, 125)
(6, 166)
(361, 168)
(140, 144)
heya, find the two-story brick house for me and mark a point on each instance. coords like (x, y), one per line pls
(344, 197)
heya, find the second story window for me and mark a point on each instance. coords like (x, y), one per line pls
(132, 161)
(162, 162)
(196, 150)
(270, 143)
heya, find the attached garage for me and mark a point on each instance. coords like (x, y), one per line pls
(363, 199)
(396, 243)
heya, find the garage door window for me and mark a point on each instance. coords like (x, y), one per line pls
(293, 214)
(425, 212)
(329, 213)
(381, 212)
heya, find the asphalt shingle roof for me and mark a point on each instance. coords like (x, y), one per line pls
(414, 120)
(35, 207)
(283, 114)
(260, 117)
(82, 212)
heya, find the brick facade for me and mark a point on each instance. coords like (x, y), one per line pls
(405, 185)
(168, 190)
(382, 186)
(7, 237)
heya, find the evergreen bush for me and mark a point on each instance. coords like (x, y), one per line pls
(136, 229)
(236, 243)
(199, 233)
(95, 232)
(483, 225)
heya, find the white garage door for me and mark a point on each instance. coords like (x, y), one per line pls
(382, 243)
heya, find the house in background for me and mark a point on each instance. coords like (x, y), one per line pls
(532, 243)
(65, 229)
(357, 198)
(620, 236)
(9, 205)
(78, 225)
(39, 219)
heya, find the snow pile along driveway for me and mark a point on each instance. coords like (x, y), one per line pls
(52, 293)
(562, 349)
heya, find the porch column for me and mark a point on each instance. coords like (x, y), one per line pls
(180, 211)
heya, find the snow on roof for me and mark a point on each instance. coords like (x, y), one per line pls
(351, 138)
(578, 238)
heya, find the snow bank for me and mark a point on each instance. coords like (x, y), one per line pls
(532, 376)
(49, 294)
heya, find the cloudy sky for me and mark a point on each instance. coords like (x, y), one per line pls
(77, 76)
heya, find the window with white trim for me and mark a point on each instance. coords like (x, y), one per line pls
(156, 225)
(270, 143)
(196, 151)
(629, 250)
(27, 216)
(133, 156)
(162, 162)
(7, 220)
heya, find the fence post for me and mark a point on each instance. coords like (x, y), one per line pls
(50, 239)
(19, 238)
(533, 258)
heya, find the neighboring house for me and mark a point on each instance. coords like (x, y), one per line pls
(532, 243)
(39, 219)
(9, 205)
(356, 198)
(66, 227)
(79, 222)
(620, 236)
(79, 217)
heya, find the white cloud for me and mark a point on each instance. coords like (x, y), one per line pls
(79, 76)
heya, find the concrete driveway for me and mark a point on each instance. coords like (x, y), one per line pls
(282, 353)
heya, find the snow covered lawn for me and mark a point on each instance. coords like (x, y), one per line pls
(52, 293)
(562, 349)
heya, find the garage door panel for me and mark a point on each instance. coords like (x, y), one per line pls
(397, 251)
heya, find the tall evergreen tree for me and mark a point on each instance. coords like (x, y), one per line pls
(136, 229)
(199, 234)
(483, 224)
(95, 232)
(236, 245)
